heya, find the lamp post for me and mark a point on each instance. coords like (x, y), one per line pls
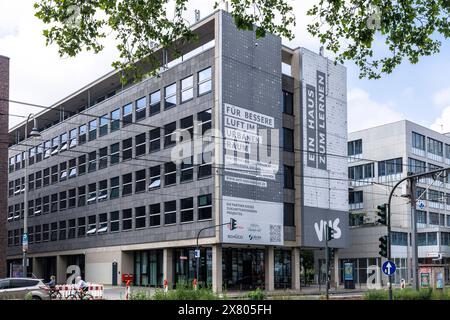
(34, 133)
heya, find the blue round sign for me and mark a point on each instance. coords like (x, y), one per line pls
(389, 268)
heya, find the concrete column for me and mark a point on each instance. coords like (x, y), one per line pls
(38, 269)
(269, 265)
(61, 268)
(217, 276)
(336, 268)
(125, 265)
(295, 268)
(168, 266)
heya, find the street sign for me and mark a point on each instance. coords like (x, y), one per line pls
(388, 268)
(421, 204)
(197, 253)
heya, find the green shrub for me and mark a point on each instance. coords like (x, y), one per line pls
(140, 295)
(408, 294)
(257, 294)
(184, 291)
(28, 296)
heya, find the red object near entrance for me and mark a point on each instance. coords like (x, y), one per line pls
(127, 277)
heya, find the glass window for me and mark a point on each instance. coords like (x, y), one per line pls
(45, 232)
(127, 184)
(64, 145)
(12, 162)
(186, 129)
(288, 102)
(155, 177)
(104, 125)
(169, 134)
(140, 148)
(140, 181)
(155, 215)
(187, 209)
(141, 105)
(434, 219)
(31, 152)
(355, 147)
(114, 221)
(92, 130)
(63, 171)
(72, 168)
(355, 197)
(54, 176)
(170, 212)
(140, 218)
(289, 177)
(103, 158)
(416, 166)
(46, 204)
(155, 102)
(62, 230)
(102, 190)
(55, 146)
(92, 157)
(62, 200)
(187, 169)
(127, 114)
(81, 165)
(435, 147)
(170, 94)
(204, 81)
(399, 238)
(81, 227)
(418, 141)
(389, 167)
(82, 130)
(115, 120)
(54, 202)
(288, 139)
(447, 151)
(72, 138)
(170, 173)
(289, 216)
(72, 198)
(115, 153)
(155, 140)
(204, 170)
(205, 207)
(47, 151)
(72, 228)
(204, 121)
(127, 149)
(431, 238)
(187, 89)
(127, 219)
(92, 193)
(361, 172)
(92, 225)
(39, 152)
(115, 189)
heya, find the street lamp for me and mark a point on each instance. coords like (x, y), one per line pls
(34, 133)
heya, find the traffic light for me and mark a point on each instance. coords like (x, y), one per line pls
(332, 251)
(233, 224)
(330, 233)
(383, 246)
(382, 214)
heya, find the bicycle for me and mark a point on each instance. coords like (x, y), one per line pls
(55, 294)
(80, 294)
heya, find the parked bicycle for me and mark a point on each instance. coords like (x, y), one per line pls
(80, 294)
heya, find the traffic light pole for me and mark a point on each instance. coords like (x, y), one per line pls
(327, 264)
(389, 253)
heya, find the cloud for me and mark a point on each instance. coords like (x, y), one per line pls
(442, 98)
(442, 123)
(364, 112)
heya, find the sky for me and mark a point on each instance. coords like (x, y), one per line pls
(420, 92)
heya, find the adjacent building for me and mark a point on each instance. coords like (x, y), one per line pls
(240, 138)
(378, 158)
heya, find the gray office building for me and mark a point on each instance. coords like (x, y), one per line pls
(233, 138)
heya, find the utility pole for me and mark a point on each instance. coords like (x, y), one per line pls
(414, 253)
(328, 236)
(389, 242)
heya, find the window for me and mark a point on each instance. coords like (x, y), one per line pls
(72, 138)
(399, 238)
(170, 96)
(46, 204)
(354, 147)
(288, 102)
(103, 125)
(434, 219)
(155, 215)
(72, 229)
(204, 170)
(127, 184)
(64, 145)
(114, 221)
(288, 212)
(155, 140)
(431, 238)
(18, 161)
(169, 134)
(140, 145)
(115, 153)
(81, 165)
(170, 173)
(39, 152)
(31, 153)
(187, 209)
(102, 190)
(47, 150)
(140, 181)
(54, 231)
(92, 157)
(418, 141)
(204, 207)
(72, 168)
(102, 223)
(421, 217)
(432, 167)
(92, 225)
(81, 196)
(141, 104)
(45, 232)
(421, 193)
(186, 128)
(82, 130)
(435, 196)
(155, 178)
(11, 188)
(170, 212)
(62, 230)
(10, 213)
(442, 220)
(447, 151)
(55, 146)
(54, 202)
(389, 167)
(289, 177)
(187, 89)
(63, 200)
(30, 235)
(114, 188)
(140, 218)
(17, 211)
(81, 227)
(54, 174)
(127, 149)
(416, 166)
(187, 169)
(31, 182)
(115, 120)
(103, 158)
(31, 208)
(72, 198)
(127, 219)
(63, 171)
(445, 239)
(435, 147)
(355, 197)
(127, 114)
(92, 193)
(11, 164)
(204, 121)
(37, 234)
(204, 81)
(92, 130)
(361, 172)
(288, 139)
(155, 102)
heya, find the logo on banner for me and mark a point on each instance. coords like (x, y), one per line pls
(320, 228)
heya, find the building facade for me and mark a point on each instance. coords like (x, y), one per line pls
(124, 178)
(378, 158)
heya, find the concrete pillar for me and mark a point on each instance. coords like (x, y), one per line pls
(296, 269)
(217, 276)
(125, 265)
(61, 269)
(269, 265)
(168, 266)
(38, 268)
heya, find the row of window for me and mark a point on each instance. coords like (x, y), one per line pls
(117, 221)
(432, 146)
(111, 122)
(97, 160)
(423, 239)
(432, 219)
(385, 168)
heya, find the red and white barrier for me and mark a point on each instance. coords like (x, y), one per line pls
(96, 290)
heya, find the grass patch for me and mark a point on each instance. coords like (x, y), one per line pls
(408, 294)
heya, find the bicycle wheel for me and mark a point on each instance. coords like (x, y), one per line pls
(56, 295)
(88, 296)
(73, 296)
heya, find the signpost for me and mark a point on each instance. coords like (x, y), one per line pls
(25, 242)
(388, 268)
